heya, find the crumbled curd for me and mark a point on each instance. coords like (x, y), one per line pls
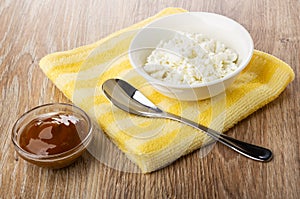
(191, 58)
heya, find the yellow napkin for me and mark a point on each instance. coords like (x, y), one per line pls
(154, 143)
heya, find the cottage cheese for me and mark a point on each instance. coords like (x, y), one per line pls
(191, 58)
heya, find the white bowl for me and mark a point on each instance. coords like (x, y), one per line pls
(215, 26)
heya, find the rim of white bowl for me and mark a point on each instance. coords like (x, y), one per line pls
(241, 66)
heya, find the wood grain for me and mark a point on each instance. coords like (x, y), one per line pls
(33, 28)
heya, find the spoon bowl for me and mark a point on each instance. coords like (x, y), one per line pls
(129, 99)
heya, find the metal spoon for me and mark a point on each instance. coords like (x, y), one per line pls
(129, 99)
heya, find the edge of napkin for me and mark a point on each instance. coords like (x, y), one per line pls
(278, 88)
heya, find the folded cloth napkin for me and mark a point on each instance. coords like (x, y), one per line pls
(154, 143)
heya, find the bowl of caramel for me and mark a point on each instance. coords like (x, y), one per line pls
(52, 135)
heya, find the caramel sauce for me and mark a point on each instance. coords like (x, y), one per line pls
(52, 135)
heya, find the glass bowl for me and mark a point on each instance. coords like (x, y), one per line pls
(65, 115)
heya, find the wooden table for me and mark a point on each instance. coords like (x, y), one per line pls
(33, 28)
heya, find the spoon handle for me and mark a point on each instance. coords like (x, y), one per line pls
(249, 150)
